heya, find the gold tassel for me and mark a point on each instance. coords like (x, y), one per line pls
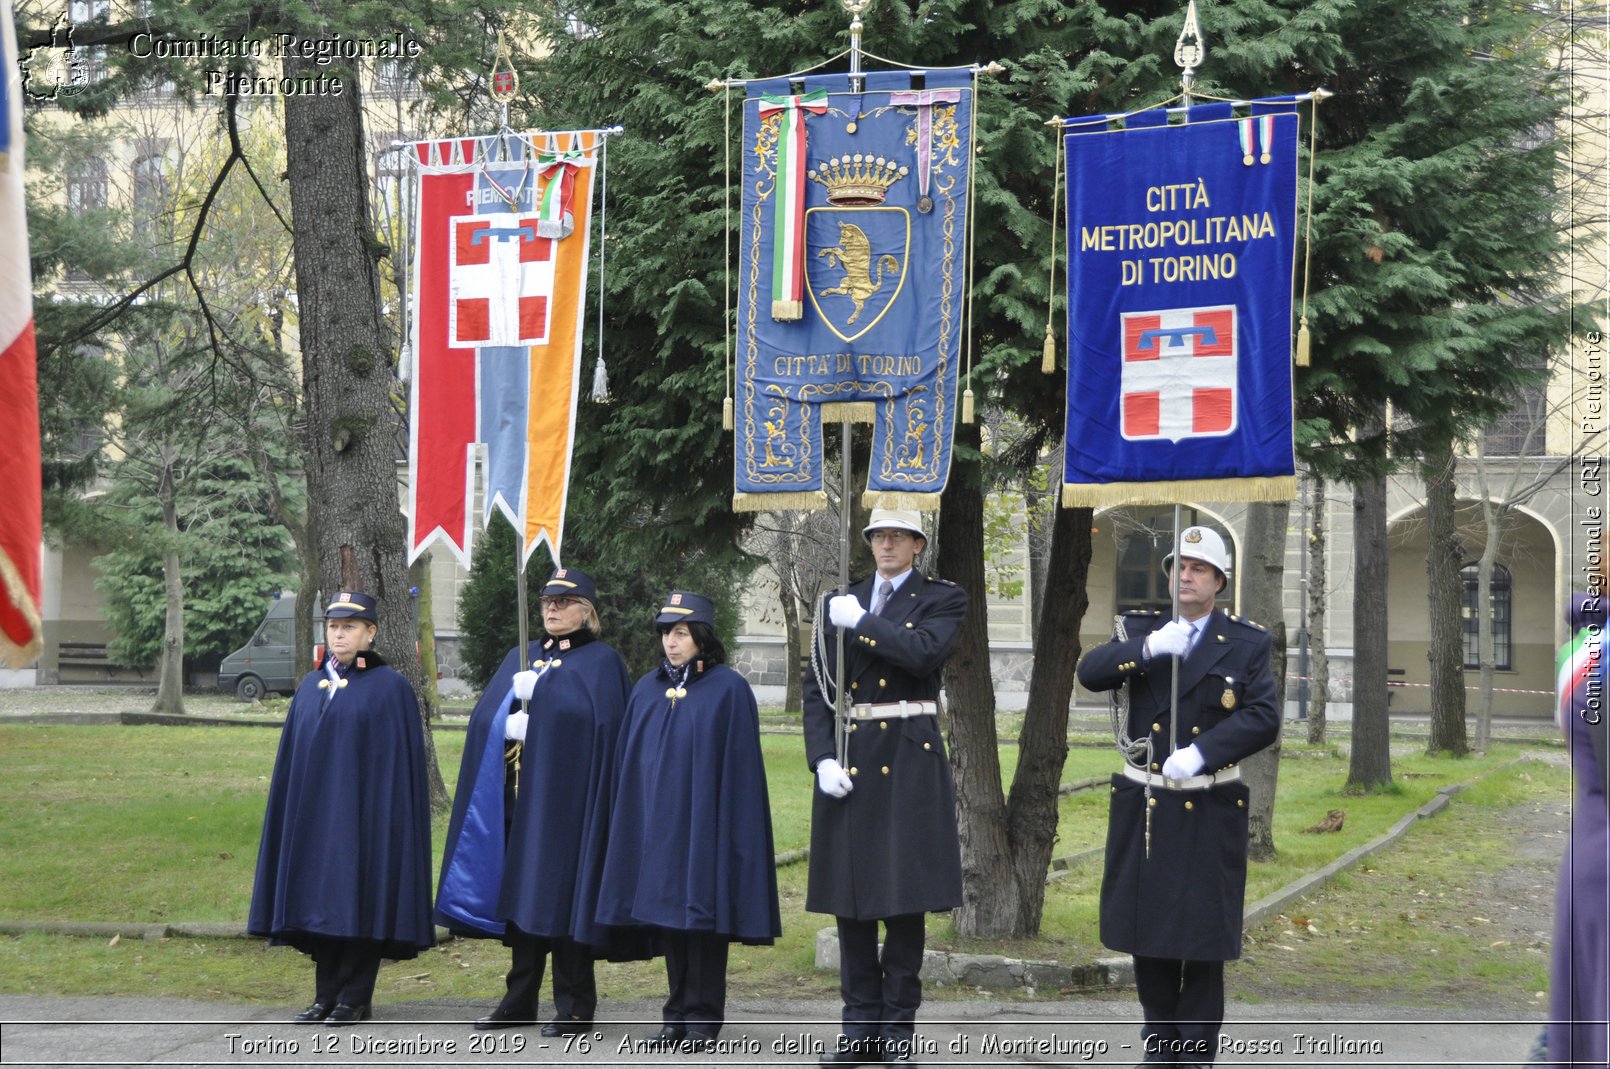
(900, 499)
(1302, 344)
(726, 413)
(783, 499)
(1048, 355)
(967, 405)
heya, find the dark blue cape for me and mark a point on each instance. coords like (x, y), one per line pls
(345, 851)
(472, 860)
(544, 880)
(561, 819)
(691, 845)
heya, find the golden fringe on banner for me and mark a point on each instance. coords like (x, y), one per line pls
(900, 499)
(853, 411)
(1108, 495)
(791, 499)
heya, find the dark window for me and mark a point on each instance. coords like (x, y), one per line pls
(1501, 612)
(150, 192)
(1520, 431)
(274, 633)
(86, 185)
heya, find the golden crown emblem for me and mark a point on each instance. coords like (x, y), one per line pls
(857, 180)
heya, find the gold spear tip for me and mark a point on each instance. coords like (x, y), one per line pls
(1322, 93)
(992, 67)
(715, 85)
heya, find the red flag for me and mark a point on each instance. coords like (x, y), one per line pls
(20, 531)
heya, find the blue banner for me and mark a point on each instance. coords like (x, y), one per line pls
(851, 281)
(1181, 241)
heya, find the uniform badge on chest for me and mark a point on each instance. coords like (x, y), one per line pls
(1227, 699)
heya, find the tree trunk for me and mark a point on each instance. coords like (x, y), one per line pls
(989, 880)
(1043, 507)
(1263, 578)
(1043, 748)
(1318, 597)
(352, 426)
(170, 664)
(1370, 766)
(795, 665)
(1447, 650)
(1492, 515)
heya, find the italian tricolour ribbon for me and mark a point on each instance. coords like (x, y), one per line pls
(788, 212)
(1577, 660)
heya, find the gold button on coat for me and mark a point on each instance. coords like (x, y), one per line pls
(885, 770)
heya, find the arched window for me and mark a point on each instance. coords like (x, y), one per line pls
(1500, 610)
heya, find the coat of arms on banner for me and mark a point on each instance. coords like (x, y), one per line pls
(1179, 373)
(852, 281)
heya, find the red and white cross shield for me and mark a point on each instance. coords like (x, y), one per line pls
(1179, 373)
(500, 281)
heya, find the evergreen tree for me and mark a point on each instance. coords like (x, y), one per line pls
(234, 558)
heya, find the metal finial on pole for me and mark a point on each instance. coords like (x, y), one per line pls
(505, 81)
(855, 8)
(1189, 51)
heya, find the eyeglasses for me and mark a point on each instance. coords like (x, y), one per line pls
(893, 537)
(560, 602)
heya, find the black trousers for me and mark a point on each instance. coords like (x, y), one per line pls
(575, 994)
(344, 970)
(1184, 1006)
(696, 974)
(881, 994)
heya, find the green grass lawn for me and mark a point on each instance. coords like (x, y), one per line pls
(160, 824)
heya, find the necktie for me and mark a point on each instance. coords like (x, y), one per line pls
(1190, 645)
(885, 591)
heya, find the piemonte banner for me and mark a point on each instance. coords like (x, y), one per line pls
(851, 281)
(1181, 240)
(500, 272)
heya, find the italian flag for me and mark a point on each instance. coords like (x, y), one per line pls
(788, 213)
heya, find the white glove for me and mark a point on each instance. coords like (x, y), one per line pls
(514, 727)
(1173, 638)
(832, 778)
(1183, 764)
(845, 612)
(524, 684)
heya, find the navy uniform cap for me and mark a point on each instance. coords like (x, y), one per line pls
(682, 607)
(349, 604)
(572, 583)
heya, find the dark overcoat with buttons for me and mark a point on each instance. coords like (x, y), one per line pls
(1185, 899)
(889, 847)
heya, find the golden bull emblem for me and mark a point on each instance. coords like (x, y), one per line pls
(854, 254)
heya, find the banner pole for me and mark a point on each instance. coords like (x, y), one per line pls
(1174, 679)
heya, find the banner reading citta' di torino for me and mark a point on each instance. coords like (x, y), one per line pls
(1180, 248)
(851, 283)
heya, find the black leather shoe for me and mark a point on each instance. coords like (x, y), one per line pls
(860, 1052)
(314, 1013)
(346, 1013)
(565, 1028)
(501, 1018)
(696, 1042)
(670, 1035)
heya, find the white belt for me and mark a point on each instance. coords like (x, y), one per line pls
(901, 709)
(1192, 783)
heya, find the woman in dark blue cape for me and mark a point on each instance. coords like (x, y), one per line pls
(690, 849)
(526, 844)
(343, 869)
